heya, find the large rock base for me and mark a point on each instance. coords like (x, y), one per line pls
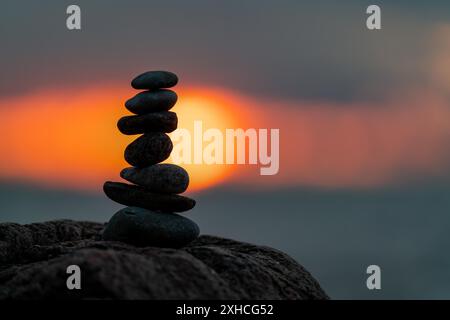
(34, 259)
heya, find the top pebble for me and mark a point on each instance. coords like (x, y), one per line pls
(152, 80)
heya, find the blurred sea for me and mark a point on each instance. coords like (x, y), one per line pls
(335, 234)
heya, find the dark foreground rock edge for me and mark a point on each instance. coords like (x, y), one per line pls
(34, 258)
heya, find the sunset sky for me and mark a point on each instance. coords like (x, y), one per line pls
(69, 138)
(361, 113)
(354, 108)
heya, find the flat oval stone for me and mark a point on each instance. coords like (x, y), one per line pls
(152, 101)
(148, 149)
(141, 227)
(162, 178)
(164, 121)
(155, 80)
(137, 196)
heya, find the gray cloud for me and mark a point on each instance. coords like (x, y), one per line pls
(289, 49)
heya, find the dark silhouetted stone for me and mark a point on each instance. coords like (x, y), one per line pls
(148, 149)
(164, 121)
(162, 178)
(137, 196)
(37, 255)
(155, 80)
(145, 228)
(152, 101)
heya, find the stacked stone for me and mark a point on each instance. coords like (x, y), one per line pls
(153, 197)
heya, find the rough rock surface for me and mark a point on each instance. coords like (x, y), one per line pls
(34, 258)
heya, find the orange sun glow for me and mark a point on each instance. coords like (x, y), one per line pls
(70, 138)
(215, 111)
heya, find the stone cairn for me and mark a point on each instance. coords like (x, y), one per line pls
(153, 197)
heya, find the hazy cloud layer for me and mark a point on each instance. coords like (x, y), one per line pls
(288, 49)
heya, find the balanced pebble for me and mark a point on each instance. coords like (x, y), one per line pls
(132, 195)
(164, 121)
(152, 101)
(155, 80)
(148, 149)
(143, 228)
(162, 178)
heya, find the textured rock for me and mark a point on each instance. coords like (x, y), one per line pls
(155, 80)
(162, 178)
(136, 196)
(148, 149)
(207, 268)
(164, 121)
(19, 242)
(142, 227)
(151, 101)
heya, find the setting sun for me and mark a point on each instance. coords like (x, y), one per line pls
(215, 111)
